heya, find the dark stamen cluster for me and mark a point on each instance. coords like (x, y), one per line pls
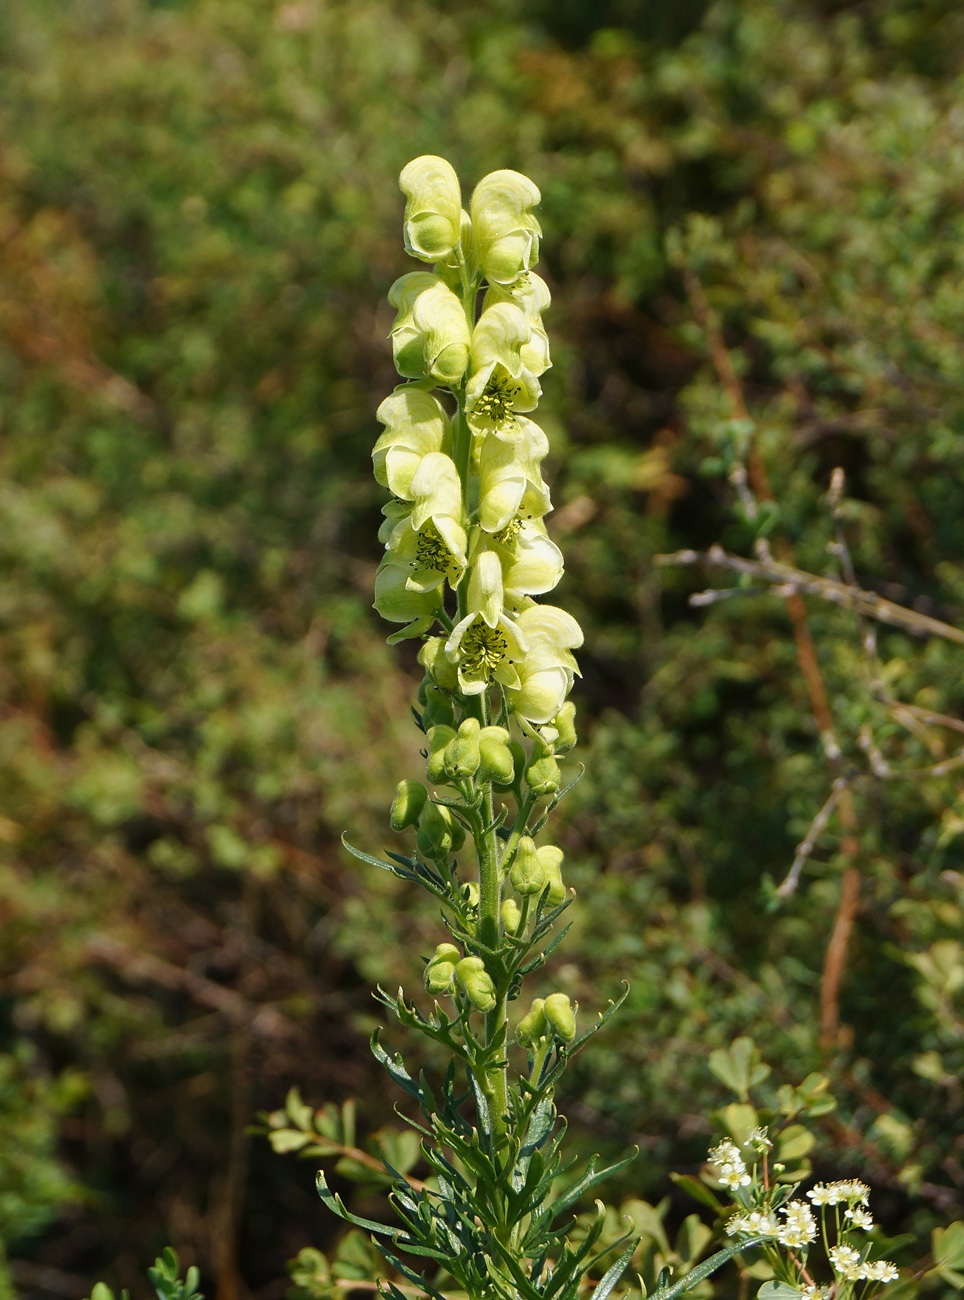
(431, 551)
(483, 649)
(496, 402)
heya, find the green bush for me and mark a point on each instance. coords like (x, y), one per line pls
(198, 215)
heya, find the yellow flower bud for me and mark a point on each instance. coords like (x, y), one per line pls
(439, 737)
(542, 772)
(440, 971)
(551, 859)
(527, 874)
(408, 804)
(476, 983)
(560, 1016)
(495, 758)
(433, 213)
(565, 724)
(439, 834)
(511, 915)
(434, 660)
(533, 1025)
(461, 756)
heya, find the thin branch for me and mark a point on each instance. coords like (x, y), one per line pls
(836, 958)
(806, 846)
(837, 593)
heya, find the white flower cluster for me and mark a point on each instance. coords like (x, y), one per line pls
(794, 1225)
(730, 1167)
(469, 498)
(848, 1263)
(850, 1190)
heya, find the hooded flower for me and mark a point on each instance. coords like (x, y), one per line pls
(510, 479)
(499, 382)
(433, 554)
(531, 295)
(427, 535)
(485, 644)
(397, 603)
(415, 424)
(433, 213)
(546, 672)
(506, 232)
(532, 563)
(430, 337)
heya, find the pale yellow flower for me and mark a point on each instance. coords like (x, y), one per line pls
(485, 644)
(431, 336)
(510, 477)
(506, 232)
(499, 383)
(415, 424)
(547, 669)
(433, 213)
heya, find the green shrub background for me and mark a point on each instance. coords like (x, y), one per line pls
(198, 225)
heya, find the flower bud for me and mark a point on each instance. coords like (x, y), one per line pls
(471, 892)
(506, 232)
(433, 213)
(565, 724)
(511, 915)
(430, 336)
(438, 738)
(440, 971)
(551, 859)
(495, 757)
(434, 660)
(476, 983)
(542, 772)
(561, 1017)
(532, 1026)
(408, 804)
(461, 756)
(528, 875)
(438, 832)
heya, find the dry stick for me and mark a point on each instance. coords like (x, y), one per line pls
(807, 658)
(868, 603)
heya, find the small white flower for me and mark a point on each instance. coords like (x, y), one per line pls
(736, 1224)
(800, 1227)
(725, 1153)
(880, 1271)
(814, 1292)
(845, 1261)
(860, 1217)
(763, 1224)
(822, 1194)
(854, 1190)
(758, 1140)
(734, 1176)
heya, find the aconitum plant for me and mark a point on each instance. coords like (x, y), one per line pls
(466, 556)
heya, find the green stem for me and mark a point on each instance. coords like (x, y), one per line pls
(490, 932)
(462, 450)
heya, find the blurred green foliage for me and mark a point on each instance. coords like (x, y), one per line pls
(198, 224)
